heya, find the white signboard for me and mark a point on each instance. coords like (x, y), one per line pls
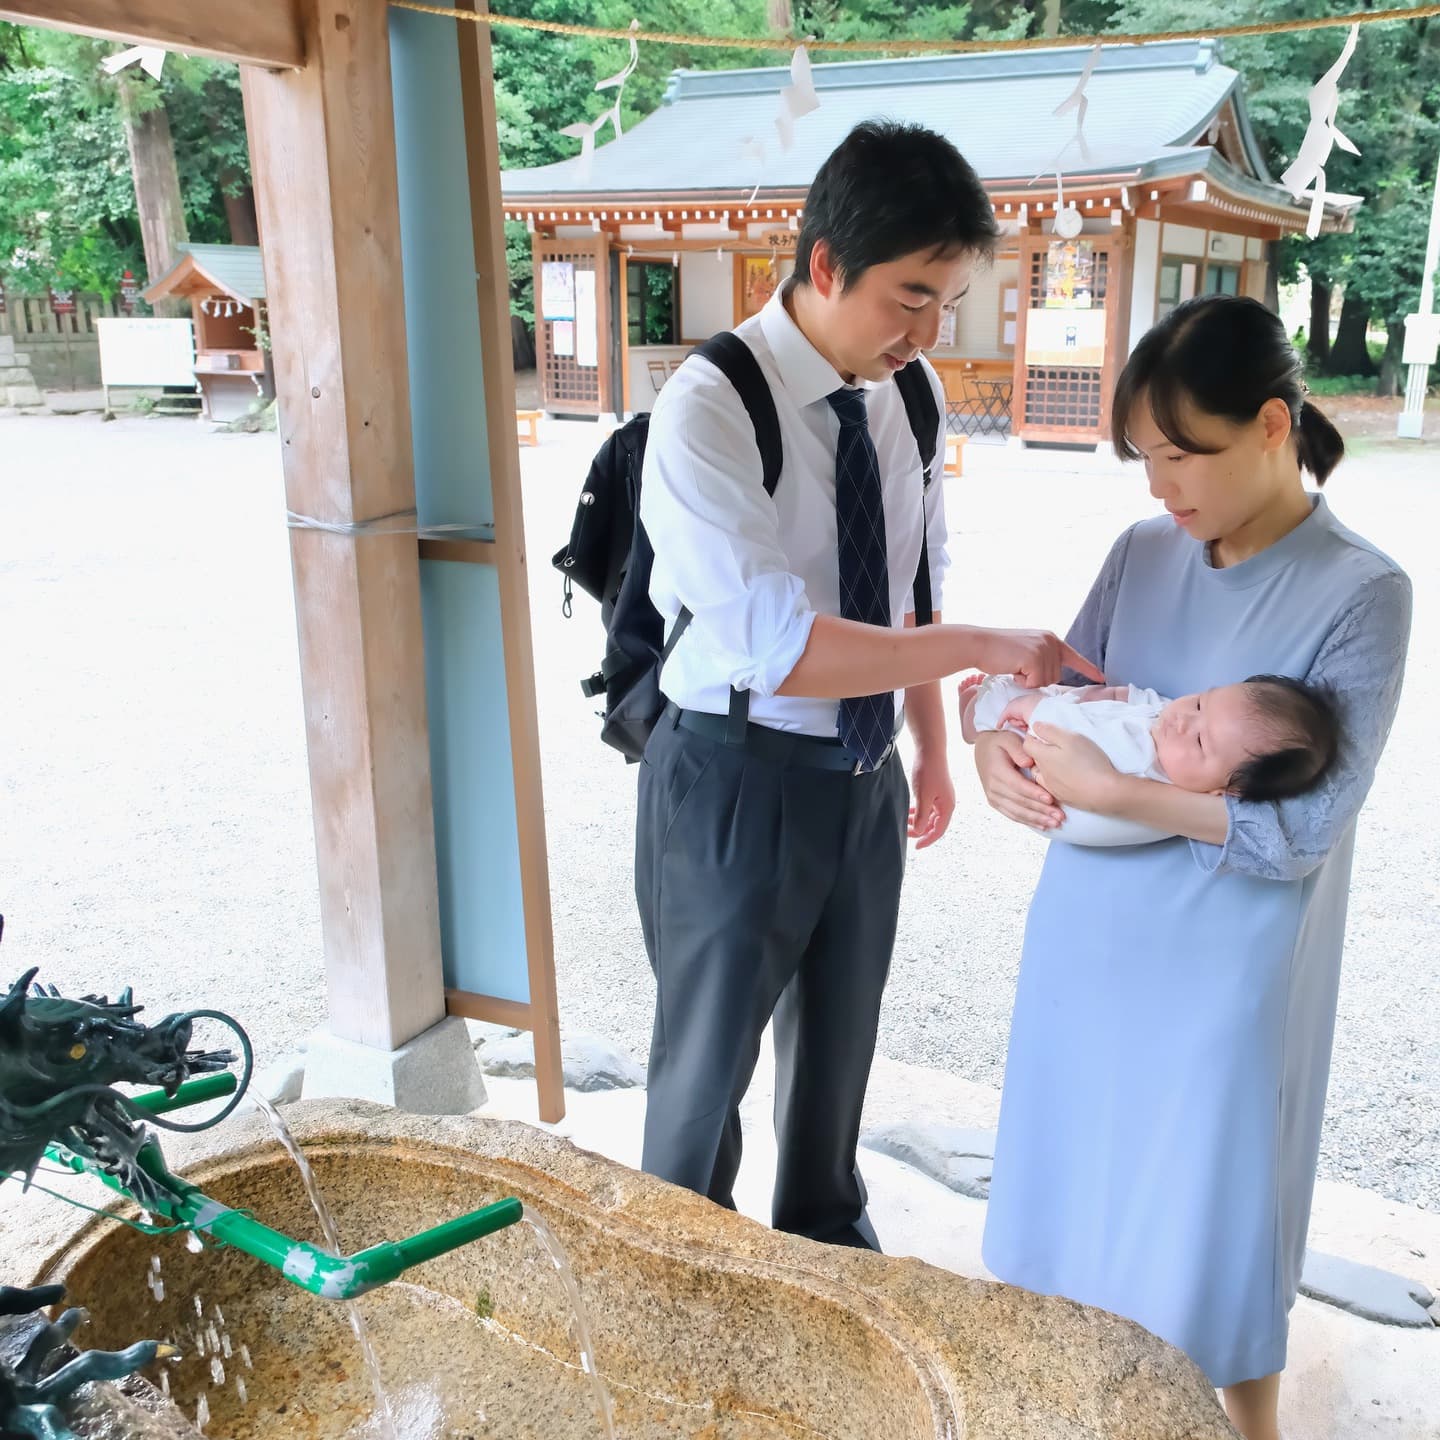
(1065, 337)
(147, 352)
(1422, 339)
(557, 290)
(587, 328)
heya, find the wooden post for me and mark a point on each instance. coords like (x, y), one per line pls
(323, 146)
(492, 292)
(622, 304)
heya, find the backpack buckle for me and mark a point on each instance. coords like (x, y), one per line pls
(593, 686)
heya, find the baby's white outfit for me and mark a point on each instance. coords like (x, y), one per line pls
(1121, 728)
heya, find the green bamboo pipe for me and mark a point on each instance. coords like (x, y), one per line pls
(335, 1277)
(192, 1092)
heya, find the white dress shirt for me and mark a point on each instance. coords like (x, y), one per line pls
(755, 571)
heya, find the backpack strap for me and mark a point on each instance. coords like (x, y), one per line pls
(736, 361)
(924, 416)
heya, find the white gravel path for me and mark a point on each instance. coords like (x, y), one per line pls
(156, 829)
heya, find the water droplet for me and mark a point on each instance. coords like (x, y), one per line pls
(241, 1391)
(219, 1315)
(146, 1218)
(245, 1356)
(199, 1309)
(225, 1345)
(202, 1413)
(155, 1264)
(165, 1384)
(212, 1338)
(217, 1371)
(192, 1242)
(158, 1290)
(199, 1343)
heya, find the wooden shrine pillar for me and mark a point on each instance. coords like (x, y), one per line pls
(322, 143)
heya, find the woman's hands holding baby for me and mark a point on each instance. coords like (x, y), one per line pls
(1065, 769)
(1000, 761)
(1072, 768)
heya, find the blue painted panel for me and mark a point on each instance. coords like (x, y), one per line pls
(482, 929)
(482, 925)
(442, 327)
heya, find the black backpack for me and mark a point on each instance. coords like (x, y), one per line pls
(609, 555)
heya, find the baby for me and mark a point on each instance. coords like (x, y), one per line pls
(1267, 738)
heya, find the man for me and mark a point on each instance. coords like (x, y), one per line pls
(769, 858)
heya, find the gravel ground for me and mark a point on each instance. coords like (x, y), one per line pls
(156, 824)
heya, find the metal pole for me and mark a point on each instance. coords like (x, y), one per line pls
(1412, 418)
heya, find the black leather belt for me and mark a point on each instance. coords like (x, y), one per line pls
(783, 747)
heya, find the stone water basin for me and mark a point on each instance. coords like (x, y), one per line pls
(705, 1324)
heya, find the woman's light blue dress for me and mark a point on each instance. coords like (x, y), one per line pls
(1171, 1039)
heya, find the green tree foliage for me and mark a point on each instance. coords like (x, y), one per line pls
(67, 204)
(1389, 107)
(67, 200)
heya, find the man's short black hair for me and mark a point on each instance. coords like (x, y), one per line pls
(889, 190)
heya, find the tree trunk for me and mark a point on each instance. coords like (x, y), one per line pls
(1317, 343)
(1272, 276)
(1349, 355)
(777, 13)
(240, 211)
(1392, 372)
(157, 190)
(1051, 22)
(262, 339)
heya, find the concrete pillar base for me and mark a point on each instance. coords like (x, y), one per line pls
(436, 1073)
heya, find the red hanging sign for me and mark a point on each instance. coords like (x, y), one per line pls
(129, 292)
(62, 302)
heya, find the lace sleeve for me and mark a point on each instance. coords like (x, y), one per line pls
(1363, 661)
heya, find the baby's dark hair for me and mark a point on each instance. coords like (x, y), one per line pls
(1303, 724)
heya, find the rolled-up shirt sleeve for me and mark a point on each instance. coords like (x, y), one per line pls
(716, 537)
(1363, 663)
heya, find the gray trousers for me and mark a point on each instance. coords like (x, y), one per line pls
(765, 888)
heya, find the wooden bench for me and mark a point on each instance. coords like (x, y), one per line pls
(526, 423)
(954, 454)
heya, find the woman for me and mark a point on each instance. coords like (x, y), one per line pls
(1172, 1031)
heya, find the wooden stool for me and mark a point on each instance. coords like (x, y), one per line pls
(954, 454)
(527, 421)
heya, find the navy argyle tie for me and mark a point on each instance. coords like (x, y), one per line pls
(867, 723)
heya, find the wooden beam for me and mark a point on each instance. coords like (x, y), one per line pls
(492, 296)
(473, 552)
(490, 1008)
(268, 33)
(322, 142)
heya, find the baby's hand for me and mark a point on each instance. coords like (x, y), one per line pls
(1018, 712)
